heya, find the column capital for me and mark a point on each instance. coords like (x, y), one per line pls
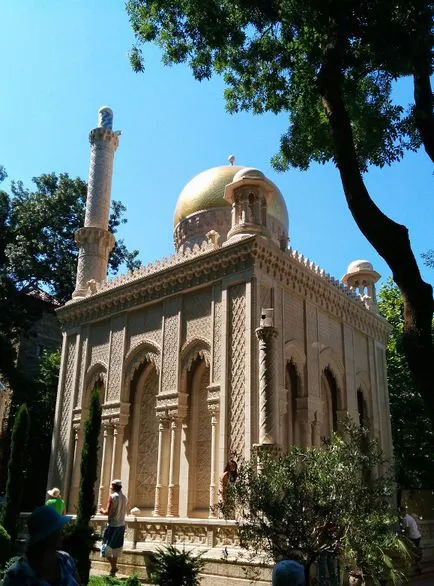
(266, 333)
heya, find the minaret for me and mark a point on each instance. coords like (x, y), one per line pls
(94, 240)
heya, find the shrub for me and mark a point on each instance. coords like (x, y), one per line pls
(16, 465)
(5, 546)
(79, 537)
(171, 567)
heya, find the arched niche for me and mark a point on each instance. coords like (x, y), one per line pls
(294, 389)
(330, 403)
(142, 438)
(146, 352)
(198, 444)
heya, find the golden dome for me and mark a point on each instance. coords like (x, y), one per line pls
(206, 191)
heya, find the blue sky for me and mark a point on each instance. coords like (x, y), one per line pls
(62, 61)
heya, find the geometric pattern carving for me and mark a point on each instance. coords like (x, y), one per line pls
(194, 534)
(200, 440)
(170, 348)
(65, 418)
(147, 443)
(237, 367)
(218, 339)
(99, 341)
(116, 358)
(196, 315)
(145, 324)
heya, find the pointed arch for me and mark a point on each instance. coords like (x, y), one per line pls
(295, 354)
(364, 396)
(96, 374)
(328, 359)
(196, 348)
(144, 352)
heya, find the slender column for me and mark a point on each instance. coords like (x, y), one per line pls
(73, 493)
(265, 335)
(173, 492)
(212, 484)
(162, 428)
(106, 463)
(118, 440)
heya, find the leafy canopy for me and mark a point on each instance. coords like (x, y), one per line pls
(271, 54)
(39, 248)
(413, 437)
(315, 500)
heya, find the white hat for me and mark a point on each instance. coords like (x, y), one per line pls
(54, 492)
(117, 482)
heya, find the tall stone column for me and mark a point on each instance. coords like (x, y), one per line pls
(118, 440)
(94, 240)
(159, 496)
(106, 463)
(75, 480)
(213, 489)
(266, 334)
(173, 488)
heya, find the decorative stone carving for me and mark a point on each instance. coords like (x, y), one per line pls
(265, 334)
(237, 344)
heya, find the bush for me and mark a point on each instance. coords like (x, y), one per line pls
(171, 567)
(16, 468)
(5, 546)
(78, 541)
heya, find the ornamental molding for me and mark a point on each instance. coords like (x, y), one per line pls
(96, 372)
(197, 348)
(205, 265)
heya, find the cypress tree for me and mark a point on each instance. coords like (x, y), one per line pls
(89, 462)
(79, 537)
(16, 471)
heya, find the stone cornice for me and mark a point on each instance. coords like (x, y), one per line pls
(288, 268)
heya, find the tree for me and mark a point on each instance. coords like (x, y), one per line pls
(41, 401)
(413, 437)
(16, 473)
(331, 66)
(79, 536)
(428, 258)
(41, 252)
(314, 501)
(37, 251)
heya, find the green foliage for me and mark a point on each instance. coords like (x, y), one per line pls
(109, 581)
(41, 402)
(271, 55)
(80, 538)
(41, 251)
(16, 473)
(313, 500)
(89, 462)
(428, 258)
(173, 567)
(413, 437)
(5, 546)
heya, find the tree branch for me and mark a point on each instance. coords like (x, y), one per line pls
(423, 112)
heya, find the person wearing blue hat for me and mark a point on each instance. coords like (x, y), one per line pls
(44, 564)
(288, 573)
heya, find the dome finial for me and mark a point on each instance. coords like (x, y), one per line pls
(231, 159)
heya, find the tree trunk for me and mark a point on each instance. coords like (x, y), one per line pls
(388, 238)
(423, 111)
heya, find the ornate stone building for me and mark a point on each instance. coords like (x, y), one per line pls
(233, 341)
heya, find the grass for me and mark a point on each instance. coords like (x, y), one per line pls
(108, 581)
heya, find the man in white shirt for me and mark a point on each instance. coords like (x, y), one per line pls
(412, 532)
(113, 538)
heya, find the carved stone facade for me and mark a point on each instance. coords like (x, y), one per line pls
(202, 356)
